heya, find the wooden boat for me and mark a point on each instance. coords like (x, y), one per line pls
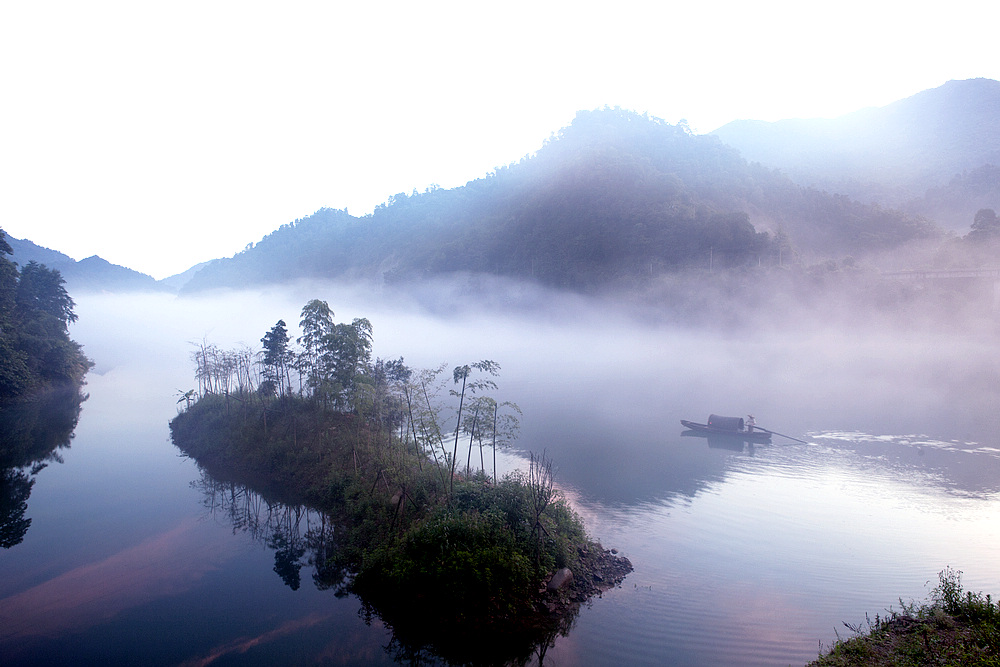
(729, 427)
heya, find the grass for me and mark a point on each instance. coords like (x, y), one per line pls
(955, 627)
(417, 545)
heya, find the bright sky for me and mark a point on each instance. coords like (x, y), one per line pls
(162, 134)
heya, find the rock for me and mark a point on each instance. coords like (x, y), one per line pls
(560, 579)
(614, 551)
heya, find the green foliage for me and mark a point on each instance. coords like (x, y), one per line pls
(614, 198)
(364, 444)
(477, 552)
(277, 356)
(35, 312)
(976, 609)
(985, 226)
(955, 628)
(454, 565)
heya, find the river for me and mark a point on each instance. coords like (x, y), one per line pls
(743, 555)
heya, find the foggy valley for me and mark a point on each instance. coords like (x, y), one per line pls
(627, 275)
(902, 456)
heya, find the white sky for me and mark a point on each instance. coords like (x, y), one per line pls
(162, 134)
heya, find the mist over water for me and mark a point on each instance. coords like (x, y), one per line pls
(748, 555)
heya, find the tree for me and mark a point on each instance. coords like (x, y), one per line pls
(8, 279)
(345, 355)
(489, 422)
(40, 290)
(316, 324)
(541, 489)
(15, 488)
(461, 374)
(985, 226)
(35, 313)
(277, 357)
(14, 374)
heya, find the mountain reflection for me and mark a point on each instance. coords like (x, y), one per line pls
(303, 537)
(31, 433)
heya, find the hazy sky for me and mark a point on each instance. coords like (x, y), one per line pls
(161, 134)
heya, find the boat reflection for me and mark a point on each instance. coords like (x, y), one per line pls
(733, 443)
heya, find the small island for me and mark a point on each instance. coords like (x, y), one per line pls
(432, 541)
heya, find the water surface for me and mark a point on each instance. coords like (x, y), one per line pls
(742, 555)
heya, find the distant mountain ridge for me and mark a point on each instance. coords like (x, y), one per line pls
(89, 274)
(617, 197)
(613, 197)
(892, 155)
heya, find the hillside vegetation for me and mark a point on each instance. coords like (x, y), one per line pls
(35, 314)
(613, 198)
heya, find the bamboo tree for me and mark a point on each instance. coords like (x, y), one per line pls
(471, 430)
(462, 373)
(505, 428)
(432, 415)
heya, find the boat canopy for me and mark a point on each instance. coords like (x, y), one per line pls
(727, 423)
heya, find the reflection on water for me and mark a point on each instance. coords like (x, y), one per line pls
(302, 537)
(31, 433)
(747, 557)
(298, 535)
(956, 466)
(766, 559)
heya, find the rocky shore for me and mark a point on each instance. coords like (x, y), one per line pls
(599, 570)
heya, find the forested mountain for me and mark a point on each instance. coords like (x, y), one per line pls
(946, 140)
(614, 196)
(89, 274)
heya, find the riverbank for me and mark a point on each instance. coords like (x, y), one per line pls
(955, 628)
(429, 553)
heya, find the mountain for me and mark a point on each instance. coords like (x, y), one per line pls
(175, 282)
(90, 274)
(938, 139)
(615, 196)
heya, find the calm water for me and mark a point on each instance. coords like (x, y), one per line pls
(750, 557)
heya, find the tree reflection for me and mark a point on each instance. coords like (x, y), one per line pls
(31, 433)
(423, 641)
(303, 537)
(299, 535)
(15, 487)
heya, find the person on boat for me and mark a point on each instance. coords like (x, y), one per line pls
(751, 422)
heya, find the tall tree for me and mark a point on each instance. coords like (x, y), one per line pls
(277, 358)
(14, 374)
(985, 226)
(345, 355)
(35, 313)
(40, 290)
(316, 324)
(461, 374)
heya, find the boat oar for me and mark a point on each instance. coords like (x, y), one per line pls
(758, 428)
